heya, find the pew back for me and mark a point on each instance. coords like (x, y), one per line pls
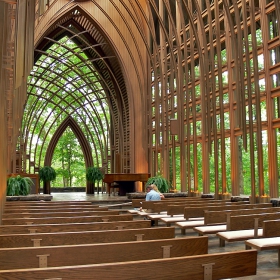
(54, 256)
(47, 228)
(137, 202)
(38, 202)
(213, 266)
(198, 211)
(59, 220)
(62, 214)
(148, 204)
(159, 206)
(215, 217)
(84, 237)
(242, 222)
(39, 206)
(53, 209)
(177, 209)
(271, 228)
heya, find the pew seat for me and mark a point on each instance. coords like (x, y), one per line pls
(144, 213)
(168, 221)
(238, 235)
(189, 224)
(262, 244)
(213, 229)
(270, 238)
(157, 217)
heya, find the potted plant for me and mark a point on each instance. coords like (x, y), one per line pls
(163, 184)
(18, 185)
(93, 174)
(47, 174)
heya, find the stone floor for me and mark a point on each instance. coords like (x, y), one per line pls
(98, 198)
(267, 260)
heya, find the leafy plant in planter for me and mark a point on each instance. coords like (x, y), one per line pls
(162, 183)
(47, 174)
(94, 174)
(18, 185)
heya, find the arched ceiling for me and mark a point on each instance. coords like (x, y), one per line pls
(77, 74)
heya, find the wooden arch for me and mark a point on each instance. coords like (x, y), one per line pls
(70, 122)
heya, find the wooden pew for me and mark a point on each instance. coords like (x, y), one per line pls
(47, 228)
(68, 205)
(180, 220)
(137, 202)
(192, 212)
(194, 219)
(177, 209)
(61, 214)
(84, 237)
(179, 206)
(211, 266)
(244, 227)
(271, 228)
(158, 210)
(58, 220)
(216, 221)
(177, 219)
(25, 203)
(43, 207)
(52, 209)
(50, 205)
(175, 212)
(119, 206)
(158, 217)
(159, 206)
(177, 200)
(215, 217)
(54, 256)
(270, 239)
(240, 222)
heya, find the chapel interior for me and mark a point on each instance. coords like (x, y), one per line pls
(185, 89)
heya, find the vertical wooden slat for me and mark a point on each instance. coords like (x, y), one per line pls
(270, 109)
(3, 118)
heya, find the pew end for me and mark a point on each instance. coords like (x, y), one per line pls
(263, 244)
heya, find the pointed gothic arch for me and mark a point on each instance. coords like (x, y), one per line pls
(93, 39)
(72, 124)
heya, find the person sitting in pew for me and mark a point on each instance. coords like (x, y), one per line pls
(152, 195)
(155, 188)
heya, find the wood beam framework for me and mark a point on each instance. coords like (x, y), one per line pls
(209, 69)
